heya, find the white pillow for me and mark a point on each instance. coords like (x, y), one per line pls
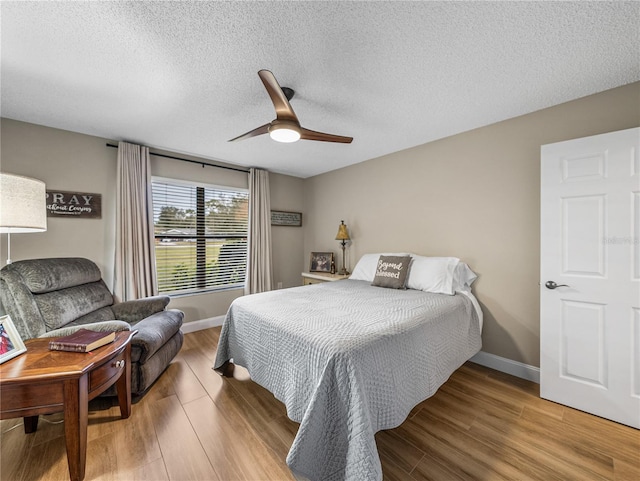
(443, 275)
(463, 277)
(433, 274)
(365, 269)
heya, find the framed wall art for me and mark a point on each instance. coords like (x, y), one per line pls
(81, 205)
(11, 344)
(321, 262)
(290, 219)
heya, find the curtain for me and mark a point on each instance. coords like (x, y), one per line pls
(259, 255)
(135, 274)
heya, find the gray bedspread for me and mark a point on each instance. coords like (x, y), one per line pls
(347, 359)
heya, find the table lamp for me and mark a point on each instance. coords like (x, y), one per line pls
(343, 237)
(23, 206)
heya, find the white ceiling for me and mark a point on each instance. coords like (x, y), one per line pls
(182, 76)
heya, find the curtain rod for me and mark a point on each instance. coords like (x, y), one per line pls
(237, 169)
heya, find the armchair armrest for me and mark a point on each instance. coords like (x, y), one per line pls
(105, 326)
(153, 333)
(138, 309)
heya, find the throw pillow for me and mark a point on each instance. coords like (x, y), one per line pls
(392, 272)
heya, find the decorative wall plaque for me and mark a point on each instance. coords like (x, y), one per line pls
(293, 219)
(80, 205)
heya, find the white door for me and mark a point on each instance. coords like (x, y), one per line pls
(590, 275)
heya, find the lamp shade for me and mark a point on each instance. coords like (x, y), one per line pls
(23, 205)
(343, 233)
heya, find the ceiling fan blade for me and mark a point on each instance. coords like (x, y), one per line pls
(263, 129)
(280, 102)
(321, 136)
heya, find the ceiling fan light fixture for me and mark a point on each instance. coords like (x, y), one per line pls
(284, 133)
(286, 126)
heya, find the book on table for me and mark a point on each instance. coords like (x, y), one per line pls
(83, 340)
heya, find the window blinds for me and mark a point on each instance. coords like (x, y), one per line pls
(200, 236)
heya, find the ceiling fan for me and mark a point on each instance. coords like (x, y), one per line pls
(286, 126)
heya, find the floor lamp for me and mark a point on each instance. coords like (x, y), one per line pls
(343, 237)
(23, 206)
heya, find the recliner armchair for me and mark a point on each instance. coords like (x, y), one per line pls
(54, 297)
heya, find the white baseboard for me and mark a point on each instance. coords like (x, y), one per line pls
(502, 364)
(202, 324)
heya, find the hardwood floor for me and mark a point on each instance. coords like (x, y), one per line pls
(195, 425)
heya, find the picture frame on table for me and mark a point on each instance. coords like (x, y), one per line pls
(321, 262)
(11, 344)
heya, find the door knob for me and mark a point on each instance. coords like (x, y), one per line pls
(553, 285)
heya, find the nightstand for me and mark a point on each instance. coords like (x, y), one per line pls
(317, 278)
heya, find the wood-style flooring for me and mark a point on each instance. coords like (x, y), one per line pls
(195, 425)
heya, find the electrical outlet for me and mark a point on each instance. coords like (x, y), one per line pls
(279, 285)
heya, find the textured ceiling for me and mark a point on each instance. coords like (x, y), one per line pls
(182, 76)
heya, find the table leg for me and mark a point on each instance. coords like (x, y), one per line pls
(76, 411)
(30, 424)
(123, 386)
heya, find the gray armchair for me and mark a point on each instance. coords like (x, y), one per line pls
(55, 297)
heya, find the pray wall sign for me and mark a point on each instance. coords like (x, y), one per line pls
(79, 205)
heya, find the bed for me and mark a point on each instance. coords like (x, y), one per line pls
(349, 359)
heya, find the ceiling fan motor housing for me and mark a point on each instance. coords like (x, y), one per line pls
(289, 93)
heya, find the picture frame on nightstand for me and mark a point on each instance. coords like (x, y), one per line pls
(11, 344)
(321, 262)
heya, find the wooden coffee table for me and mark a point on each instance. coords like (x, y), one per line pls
(41, 381)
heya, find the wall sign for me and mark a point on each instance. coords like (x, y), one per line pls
(74, 204)
(293, 219)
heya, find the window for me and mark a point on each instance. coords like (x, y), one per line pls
(200, 236)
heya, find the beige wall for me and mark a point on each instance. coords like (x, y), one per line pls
(75, 162)
(70, 162)
(476, 196)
